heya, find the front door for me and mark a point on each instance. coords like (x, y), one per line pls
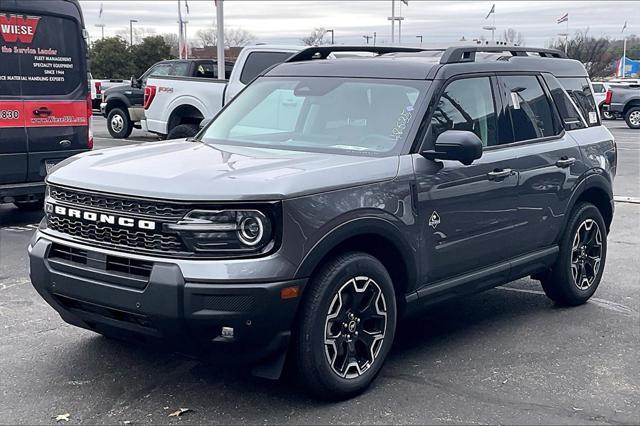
(468, 214)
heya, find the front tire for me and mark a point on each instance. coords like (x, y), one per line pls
(632, 117)
(118, 124)
(583, 252)
(183, 131)
(347, 326)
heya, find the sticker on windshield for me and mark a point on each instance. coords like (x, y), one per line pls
(402, 122)
(593, 117)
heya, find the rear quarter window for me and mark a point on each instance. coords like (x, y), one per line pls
(580, 91)
(259, 61)
(40, 55)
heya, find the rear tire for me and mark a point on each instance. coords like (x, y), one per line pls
(346, 326)
(580, 264)
(118, 124)
(632, 117)
(608, 115)
(183, 131)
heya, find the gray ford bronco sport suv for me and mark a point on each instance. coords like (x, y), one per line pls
(331, 198)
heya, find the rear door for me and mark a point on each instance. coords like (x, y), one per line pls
(13, 138)
(55, 89)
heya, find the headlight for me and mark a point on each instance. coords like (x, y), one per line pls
(226, 232)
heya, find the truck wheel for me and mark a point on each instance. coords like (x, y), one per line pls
(346, 326)
(583, 252)
(183, 131)
(118, 124)
(31, 205)
(632, 117)
(606, 115)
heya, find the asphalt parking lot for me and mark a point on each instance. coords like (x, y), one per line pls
(504, 356)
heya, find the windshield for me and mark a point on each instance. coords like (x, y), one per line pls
(322, 114)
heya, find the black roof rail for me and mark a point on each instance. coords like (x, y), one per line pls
(468, 53)
(321, 52)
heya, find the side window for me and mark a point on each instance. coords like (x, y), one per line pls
(179, 68)
(259, 61)
(566, 107)
(528, 108)
(466, 104)
(205, 70)
(157, 69)
(580, 91)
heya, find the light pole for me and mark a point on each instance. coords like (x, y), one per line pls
(367, 37)
(131, 21)
(101, 26)
(330, 31)
(420, 37)
(375, 34)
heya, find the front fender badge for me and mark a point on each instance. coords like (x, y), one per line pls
(434, 220)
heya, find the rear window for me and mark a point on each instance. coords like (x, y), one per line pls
(580, 91)
(40, 55)
(260, 61)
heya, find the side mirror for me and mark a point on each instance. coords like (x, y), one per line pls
(204, 123)
(461, 145)
(135, 83)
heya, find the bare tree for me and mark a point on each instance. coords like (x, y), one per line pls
(206, 37)
(172, 40)
(316, 38)
(512, 36)
(238, 37)
(233, 37)
(139, 33)
(593, 52)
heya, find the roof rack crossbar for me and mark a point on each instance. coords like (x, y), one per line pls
(468, 53)
(322, 52)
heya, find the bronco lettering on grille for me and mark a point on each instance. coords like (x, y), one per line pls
(101, 217)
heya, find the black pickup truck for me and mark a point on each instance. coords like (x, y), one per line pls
(122, 105)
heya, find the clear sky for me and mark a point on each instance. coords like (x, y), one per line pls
(438, 22)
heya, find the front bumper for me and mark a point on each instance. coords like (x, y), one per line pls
(97, 295)
(21, 190)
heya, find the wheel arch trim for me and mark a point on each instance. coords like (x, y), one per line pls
(361, 227)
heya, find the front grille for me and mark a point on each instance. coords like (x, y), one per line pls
(105, 235)
(109, 263)
(118, 204)
(111, 235)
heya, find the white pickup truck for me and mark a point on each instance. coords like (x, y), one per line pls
(175, 106)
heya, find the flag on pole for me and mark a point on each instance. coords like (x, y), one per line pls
(186, 5)
(406, 2)
(493, 10)
(100, 14)
(563, 18)
(624, 27)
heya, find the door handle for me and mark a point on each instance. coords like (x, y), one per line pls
(499, 174)
(42, 111)
(565, 162)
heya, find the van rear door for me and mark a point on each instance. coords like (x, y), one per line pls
(13, 138)
(55, 93)
(47, 40)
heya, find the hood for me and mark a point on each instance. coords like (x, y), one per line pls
(193, 171)
(121, 88)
